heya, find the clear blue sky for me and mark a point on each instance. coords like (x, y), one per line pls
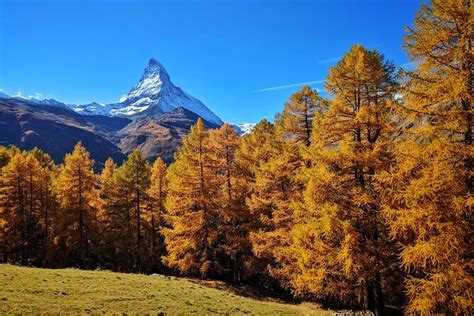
(222, 52)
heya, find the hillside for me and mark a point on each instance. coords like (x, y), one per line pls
(53, 128)
(33, 290)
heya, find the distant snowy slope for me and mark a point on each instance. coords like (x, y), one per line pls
(31, 100)
(244, 128)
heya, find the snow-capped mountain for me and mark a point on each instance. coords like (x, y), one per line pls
(33, 100)
(4, 96)
(244, 128)
(152, 96)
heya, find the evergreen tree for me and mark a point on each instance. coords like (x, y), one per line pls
(429, 191)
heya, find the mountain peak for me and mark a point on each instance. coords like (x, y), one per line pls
(155, 68)
(153, 95)
(153, 62)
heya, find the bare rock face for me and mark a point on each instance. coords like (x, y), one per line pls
(158, 136)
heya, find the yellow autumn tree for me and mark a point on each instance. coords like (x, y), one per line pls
(14, 210)
(6, 153)
(24, 184)
(77, 226)
(233, 247)
(338, 249)
(267, 165)
(253, 149)
(280, 181)
(115, 244)
(47, 201)
(299, 112)
(429, 191)
(192, 238)
(37, 195)
(156, 214)
(132, 181)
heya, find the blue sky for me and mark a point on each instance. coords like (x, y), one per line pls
(235, 56)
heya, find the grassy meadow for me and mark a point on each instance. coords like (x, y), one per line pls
(71, 291)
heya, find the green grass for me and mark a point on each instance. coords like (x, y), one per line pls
(70, 291)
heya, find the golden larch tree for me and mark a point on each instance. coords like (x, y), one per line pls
(429, 191)
(156, 213)
(234, 246)
(14, 209)
(297, 116)
(191, 240)
(339, 249)
(76, 192)
(133, 182)
(114, 248)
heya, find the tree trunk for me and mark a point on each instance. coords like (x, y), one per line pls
(378, 295)
(307, 124)
(81, 224)
(139, 236)
(22, 223)
(30, 217)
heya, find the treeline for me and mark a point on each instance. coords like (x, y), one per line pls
(362, 199)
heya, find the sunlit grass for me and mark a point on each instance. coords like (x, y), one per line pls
(32, 290)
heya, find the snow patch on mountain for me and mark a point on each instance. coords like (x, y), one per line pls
(94, 108)
(4, 96)
(244, 128)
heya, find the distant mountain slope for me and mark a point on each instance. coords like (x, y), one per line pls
(108, 123)
(54, 129)
(152, 96)
(159, 136)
